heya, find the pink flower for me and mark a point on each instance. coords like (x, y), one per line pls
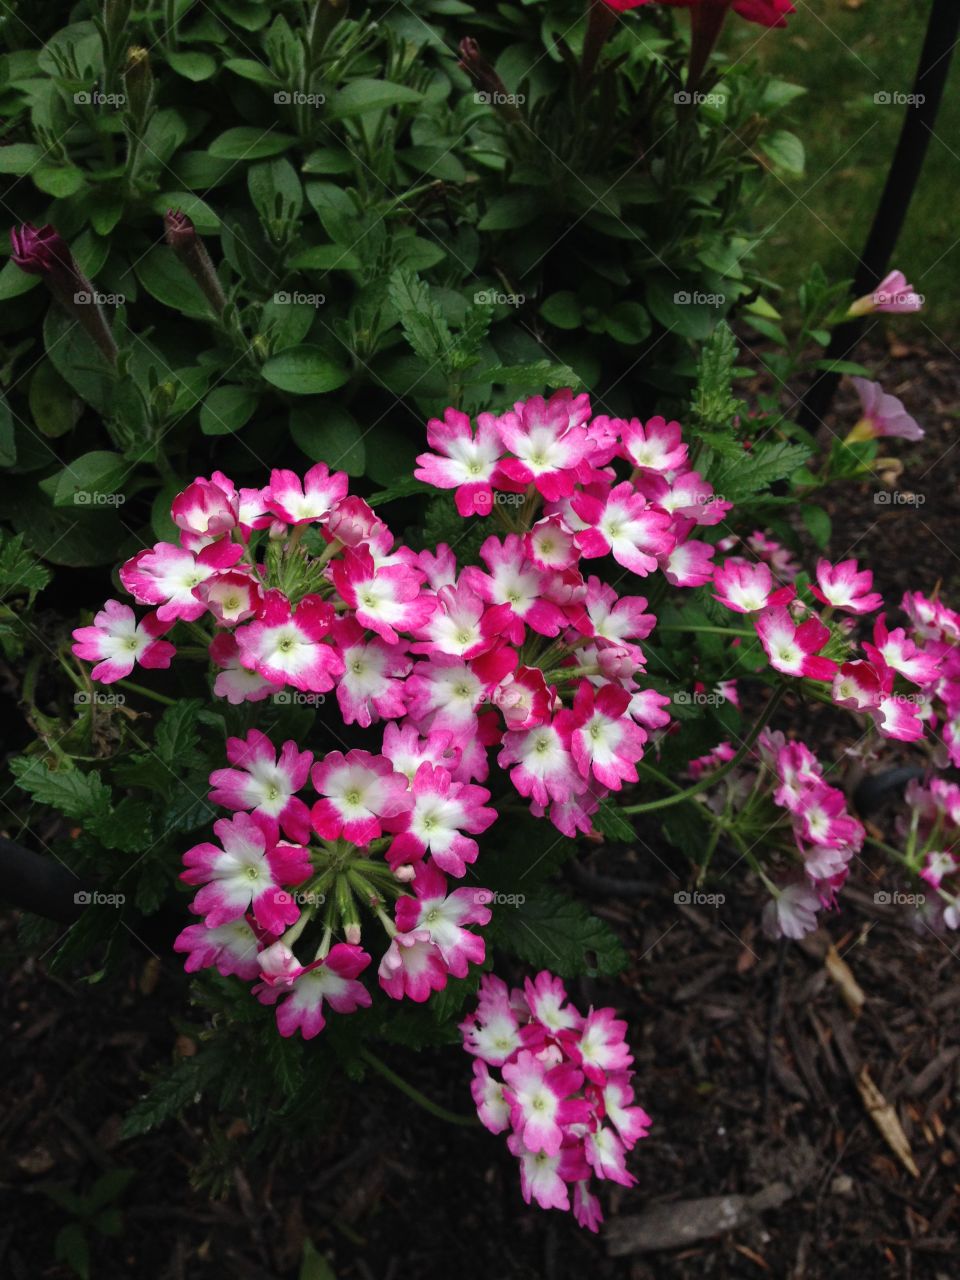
(407, 751)
(358, 791)
(543, 768)
(288, 645)
(518, 587)
(892, 294)
(116, 642)
(549, 441)
(606, 1155)
(604, 741)
(601, 1046)
(541, 1102)
(489, 1096)
(883, 414)
(445, 917)
(689, 564)
(938, 865)
(234, 682)
(655, 447)
(792, 912)
(617, 619)
(687, 495)
(371, 686)
(301, 502)
(387, 599)
(462, 461)
(247, 871)
(442, 810)
(547, 1000)
(351, 521)
(524, 699)
(492, 1033)
(791, 648)
(768, 13)
(232, 597)
(843, 587)
(747, 587)
(231, 947)
(460, 626)
(631, 1122)
(332, 980)
(544, 1178)
(550, 545)
(167, 576)
(203, 512)
(858, 686)
(264, 785)
(412, 966)
(623, 525)
(898, 651)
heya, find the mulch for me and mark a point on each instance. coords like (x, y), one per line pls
(767, 1155)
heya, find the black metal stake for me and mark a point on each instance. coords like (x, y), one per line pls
(931, 76)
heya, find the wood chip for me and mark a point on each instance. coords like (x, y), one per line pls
(838, 969)
(886, 1120)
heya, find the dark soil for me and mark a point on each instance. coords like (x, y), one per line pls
(749, 1067)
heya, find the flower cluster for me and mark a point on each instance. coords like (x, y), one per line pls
(403, 804)
(527, 652)
(564, 1091)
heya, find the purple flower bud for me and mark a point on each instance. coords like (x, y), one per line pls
(42, 251)
(181, 235)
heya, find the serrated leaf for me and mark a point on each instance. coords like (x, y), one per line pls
(762, 467)
(555, 932)
(73, 793)
(610, 822)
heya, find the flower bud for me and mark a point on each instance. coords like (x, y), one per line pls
(181, 235)
(138, 84)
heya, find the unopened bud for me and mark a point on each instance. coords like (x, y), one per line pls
(138, 84)
(181, 235)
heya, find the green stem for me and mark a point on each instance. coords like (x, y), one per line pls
(705, 783)
(147, 693)
(420, 1098)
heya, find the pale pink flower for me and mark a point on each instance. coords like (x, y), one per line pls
(117, 641)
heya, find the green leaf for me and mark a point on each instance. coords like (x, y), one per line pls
(562, 310)
(226, 409)
(8, 443)
(247, 143)
(552, 931)
(89, 478)
(275, 190)
(737, 480)
(252, 69)
(304, 371)
(849, 367)
(20, 157)
(507, 212)
(170, 1095)
(421, 318)
(13, 281)
(363, 95)
(328, 160)
(19, 569)
(75, 794)
(58, 181)
(530, 378)
(314, 1266)
(406, 487)
(329, 435)
(785, 150)
(70, 1246)
(628, 322)
(165, 278)
(324, 257)
(818, 523)
(192, 65)
(178, 732)
(609, 821)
